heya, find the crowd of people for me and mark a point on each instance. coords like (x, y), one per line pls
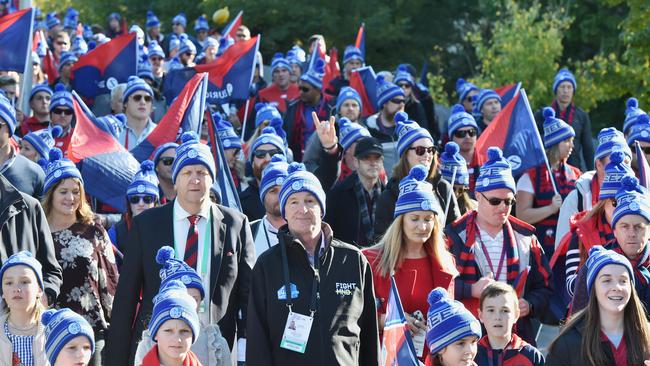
(338, 212)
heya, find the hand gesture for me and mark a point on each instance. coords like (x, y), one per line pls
(326, 130)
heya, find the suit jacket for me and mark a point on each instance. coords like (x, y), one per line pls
(230, 272)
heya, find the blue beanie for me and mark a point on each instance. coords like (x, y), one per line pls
(598, 258)
(71, 18)
(314, 76)
(347, 93)
(61, 98)
(43, 140)
(352, 53)
(350, 132)
(176, 269)
(415, 193)
(268, 136)
(448, 321)
(144, 70)
(40, 88)
(564, 75)
(161, 149)
(7, 113)
(180, 19)
(293, 59)
(640, 132)
(633, 115)
(265, 112)
(133, 85)
(227, 134)
(155, 49)
(483, 96)
(115, 16)
(631, 199)
(79, 47)
(113, 124)
(67, 57)
(610, 139)
(274, 174)
(495, 173)
(403, 75)
(193, 152)
(279, 61)
(615, 171)
(201, 24)
(51, 20)
(62, 326)
(59, 168)
(23, 258)
(174, 303)
(299, 54)
(451, 159)
(458, 119)
(145, 181)
(174, 42)
(555, 130)
(186, 45)
(300, 180)
(152, 20)
(408, 132)
(386, 91)
(463, 88)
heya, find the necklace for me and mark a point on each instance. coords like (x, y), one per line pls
(22, 329)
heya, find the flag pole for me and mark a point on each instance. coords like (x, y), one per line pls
(451, 191)
(539, 138)
(27, 76)
(248, 100)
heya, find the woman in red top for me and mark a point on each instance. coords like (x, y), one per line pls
(414, 253)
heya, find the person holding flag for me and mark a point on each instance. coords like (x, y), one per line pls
(412, 251)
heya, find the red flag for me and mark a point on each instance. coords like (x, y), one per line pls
(50, 66)
(231, 29)
(332, 69)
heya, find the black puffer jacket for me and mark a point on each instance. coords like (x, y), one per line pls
(566, 350)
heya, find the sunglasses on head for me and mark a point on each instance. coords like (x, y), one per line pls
(398, 101)
(167, 160)
(134, 200)
(305, 89)
(138, 97)
(462, 134)
(260, 154)
(420, 150)
(62, 111)
(497, 201)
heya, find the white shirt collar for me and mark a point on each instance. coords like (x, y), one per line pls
(181, 214)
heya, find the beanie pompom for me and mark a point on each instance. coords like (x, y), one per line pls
(47, 316)
(164, 254)
(258, 106)
(595, 249)
(131, 79)
(56, 131)
(55, 154)
(548, 113)
(460, 82)
(630, 183)
(380, 79)
(617, 157)
(278, 55)
(436, 295)
(278, 158)
(418, 172)
(494, 154)
(401, 117)
(59, 88)
(276, 122)
(146, 166)
(457, 108)
(402, 68)
(296, 167)
(632, 103)
(452, 148)
(344, 122)
(189, 136)
(268, 129)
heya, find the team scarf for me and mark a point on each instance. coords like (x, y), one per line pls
(567, 115)
(640, 264)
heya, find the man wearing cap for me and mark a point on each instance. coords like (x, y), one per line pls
(352, 60)
(487, 105)
(281, 90)
(466, 92)
(312, 298)
(213, 239)
(353, 202)
(463, 130)
(491, 245)
(39, 103)
(137, 101)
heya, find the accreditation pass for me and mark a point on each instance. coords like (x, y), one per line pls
(296, 332)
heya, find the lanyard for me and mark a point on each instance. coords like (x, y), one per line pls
(489, 260)
(266, 235)
(205, 256)
(287, 284)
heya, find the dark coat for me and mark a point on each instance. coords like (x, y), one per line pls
(567, 348)
(232, 261)
(251, 203)
(26, 176)
(23, 226)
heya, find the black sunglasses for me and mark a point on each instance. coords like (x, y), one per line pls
(420, 150)
(645, 149)
(134, 200)
(398, 101)
(65, 112)
(462, 134)
(188, 54)
(404, 86)
(138, 97)
(260, 154)
(497, 201)
(305, 89)
(167, 160)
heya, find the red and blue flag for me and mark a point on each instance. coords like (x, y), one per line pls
(507, 92)
(363, 81)
(106, 167)
(185, 114)
(360, 41)
(224, 184)
(231, 29)
(515, 132)
(101, 69)
(15, 38)
(643, 168)
(397, 346)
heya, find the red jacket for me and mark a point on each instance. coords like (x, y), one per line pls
(151, 359)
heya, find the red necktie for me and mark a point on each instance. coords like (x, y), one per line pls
(192, 243)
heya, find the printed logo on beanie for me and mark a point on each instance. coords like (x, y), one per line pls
(226, 143)
(57, 174)
(176, 312)
(141, 188)
(634, 206)
(279, 181)
(74, 328)
(425, 205)
(644, 133)
(265, 140)
(193, 154)
(186, 279)
(297, 185)
(486, 182)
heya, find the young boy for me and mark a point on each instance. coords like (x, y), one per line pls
(499, 311)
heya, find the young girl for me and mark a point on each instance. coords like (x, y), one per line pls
(22, 337)
(613, 329)
(452, 331)
(69, 338)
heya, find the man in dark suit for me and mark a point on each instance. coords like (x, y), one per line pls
(215, 240)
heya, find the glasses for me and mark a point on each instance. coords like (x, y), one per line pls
(138, 97)
(305, 89)
(260, 154)
(420, 150)
(134, 200)
(167, 160)
(404, 86)
(645, 149)
(398, 101)
(462, 134)
(62, 111)
(188, 54)
(497, 201)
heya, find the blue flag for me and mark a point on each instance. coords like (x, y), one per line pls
(397, 346)
(15, 38)
(224, 185)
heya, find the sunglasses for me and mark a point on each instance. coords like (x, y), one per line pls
(188, 54)
(61, 111)
(420, 150)
(260, 154)
(497, 201)
(134, 200)
(138, 97)
(167, 160)
(462, 134)
(398, 101)
(404, 86)
(645, 149)
(305, 89)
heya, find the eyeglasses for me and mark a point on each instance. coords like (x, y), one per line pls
(420, 150)
(188, 54)
(167, 160)
(138, 97)
(497, 201)
(462, 134)
(260, 154)
(398, 101)
(305, 89)
(61, 111)
(134, 200)
(645, 149)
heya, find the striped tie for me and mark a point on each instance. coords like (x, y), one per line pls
(192, 243)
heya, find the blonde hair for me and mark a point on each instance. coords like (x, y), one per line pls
(390, 248)
(38, 309)
(402, 167)
(84, 213)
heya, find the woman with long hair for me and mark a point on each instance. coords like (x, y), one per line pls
(412, 251)
(613, 329)
(453, 169)
(82, 248)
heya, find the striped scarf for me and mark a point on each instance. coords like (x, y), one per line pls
(366, 232)
(640, 264)
(567, 115)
